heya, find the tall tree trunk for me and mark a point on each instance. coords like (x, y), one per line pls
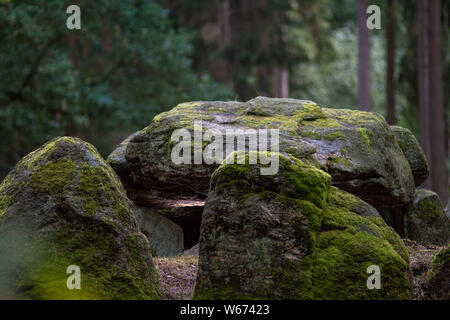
(438, 162)
(223, 21)
(424, 82)
(363, 58)
(432, 127)
(238, 10)
(263, 79)
(281, 82)
(280, 72)
(221, 71)
(390, 76)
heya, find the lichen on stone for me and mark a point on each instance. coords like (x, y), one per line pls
(437, 285)
(425, 220)
(293, 236)
(65, 206)
(413, 153)
(323, 137)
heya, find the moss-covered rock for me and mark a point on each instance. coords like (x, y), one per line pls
(165, 236)
(293, 236)
(425, 220)
(413, 153)
(447, 210)
(62, 205)
(438, 279)
(118, 162)
(358, 149)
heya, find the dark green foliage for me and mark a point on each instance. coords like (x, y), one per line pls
(111, 77)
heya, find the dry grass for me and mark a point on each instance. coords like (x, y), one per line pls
(177, 276)
(420, 257)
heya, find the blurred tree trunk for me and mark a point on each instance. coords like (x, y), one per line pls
(424, 82)
(281, 82)
(432, 127)
(263, 77)
(237, 65)
(280, 72)
(223, 21)
(363, 58)
(390, 76)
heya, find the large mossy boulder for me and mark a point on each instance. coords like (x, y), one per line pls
(62, 205)
(293, 236)
(437, 285)
(425, 220)
(413, 153)
(165, 236)
(358, 149)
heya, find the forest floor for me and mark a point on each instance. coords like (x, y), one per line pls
(178, 274)
(420, 258)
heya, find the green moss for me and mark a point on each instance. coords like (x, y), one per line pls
(348, 241)
(291, 150)
(430, 210)
(42, 154)
(325, 273)
(96, 252)
(310, 112)
(335, 135)
(340, 160)
(323, 123)
(311, 183)
(182, 116)
(257, 112)
(354, 117)
(401, 144)
(99, 186)
(312, 135)
(441, 259)
(425, 220)
(190, 105)
(347, 211)
(365, 136)
(49, 280)
(342, 245)
(68, 140)
(5, 201)
(301, 179)
(90, 188)
(115, 259)
(340, 237)
(52, 177)
(277, 122)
